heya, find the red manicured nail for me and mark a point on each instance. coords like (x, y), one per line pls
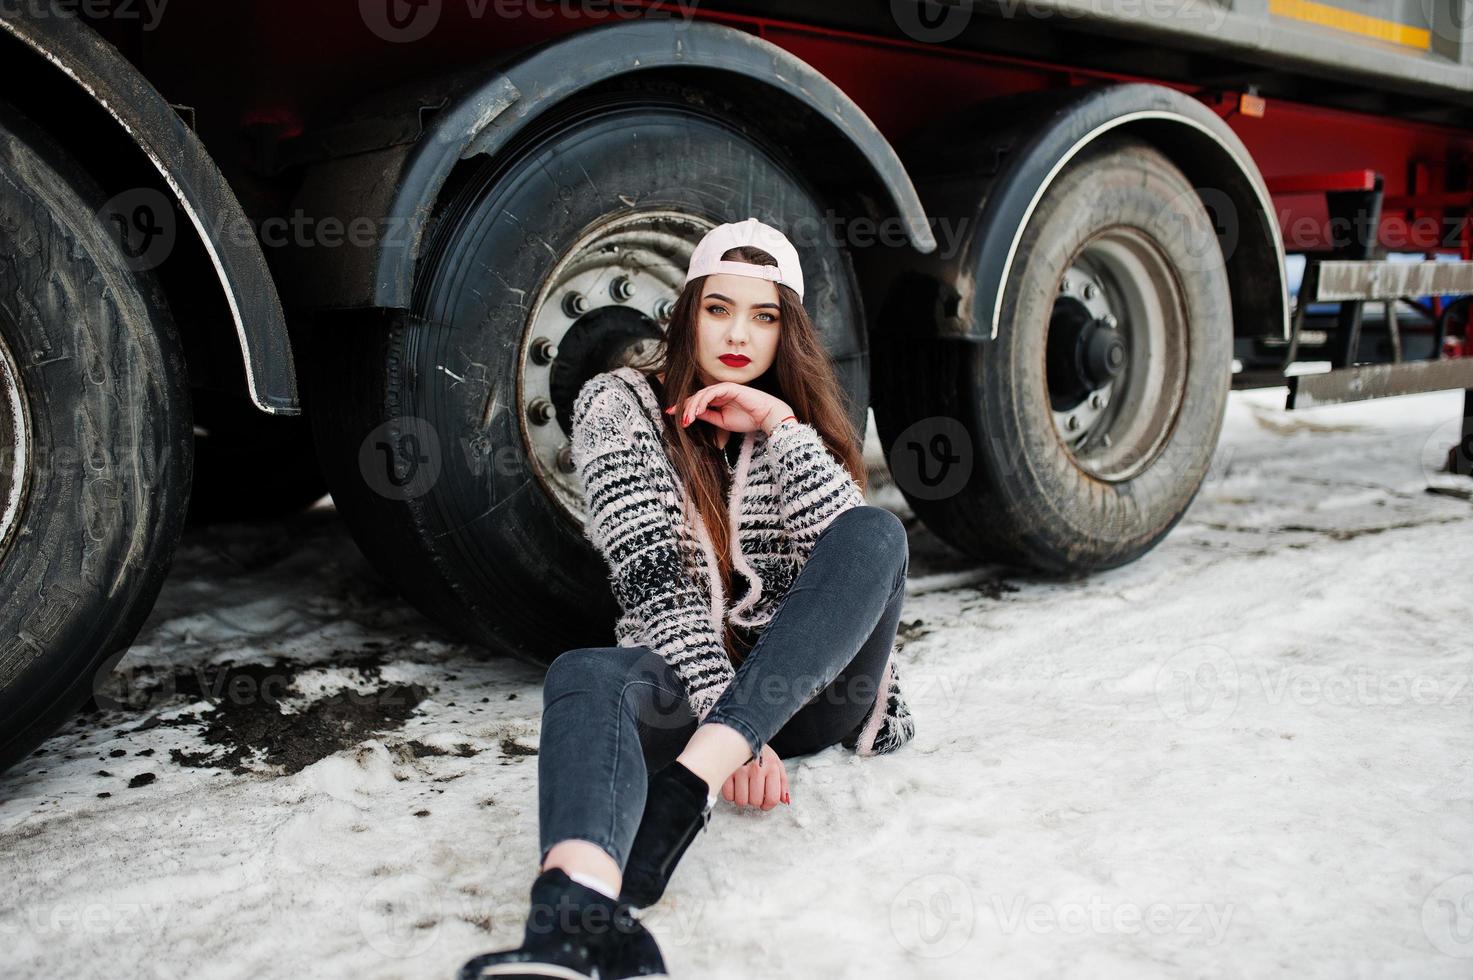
(785, 798)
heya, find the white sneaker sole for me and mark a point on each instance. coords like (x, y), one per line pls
(532, 969)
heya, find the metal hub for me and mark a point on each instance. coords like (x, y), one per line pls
(15, 446)
(605, 303)
(1116, 359)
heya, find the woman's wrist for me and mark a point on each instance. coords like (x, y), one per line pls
(777, 417)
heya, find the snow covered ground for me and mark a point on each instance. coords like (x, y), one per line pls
(1245, 755)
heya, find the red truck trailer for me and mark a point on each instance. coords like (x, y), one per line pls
(252, 252)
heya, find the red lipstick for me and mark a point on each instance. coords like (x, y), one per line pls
(735, 360)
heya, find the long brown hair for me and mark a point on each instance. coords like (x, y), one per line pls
(800, 375)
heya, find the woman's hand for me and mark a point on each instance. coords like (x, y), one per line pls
(753, 785)
(733, 407)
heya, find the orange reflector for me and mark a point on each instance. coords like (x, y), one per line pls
(1251, 105)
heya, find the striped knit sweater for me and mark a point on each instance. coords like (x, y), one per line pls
(786, 489)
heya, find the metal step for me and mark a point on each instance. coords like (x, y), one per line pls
(1364, 381)
(1369, 279)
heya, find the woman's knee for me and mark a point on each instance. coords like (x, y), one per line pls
(879, 529)
(604, 670)
(582, 668)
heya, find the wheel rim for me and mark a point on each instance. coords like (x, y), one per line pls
(607, 302)
(15, 448)
(1116, 354)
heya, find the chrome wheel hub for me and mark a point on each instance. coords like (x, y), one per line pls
(607, 302)
(1116, 355)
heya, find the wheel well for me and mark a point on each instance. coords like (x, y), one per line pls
(991, 163)
(1248, 233)
(55, 104)
(835, 170)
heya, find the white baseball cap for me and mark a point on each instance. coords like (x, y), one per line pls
(706, 259)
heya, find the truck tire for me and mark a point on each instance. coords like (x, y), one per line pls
(548, 266)
(1089, 437)
(250, 466)
(97, 451)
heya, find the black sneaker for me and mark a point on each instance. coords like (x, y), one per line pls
(568, 927)
(632, 953)
(675, 810)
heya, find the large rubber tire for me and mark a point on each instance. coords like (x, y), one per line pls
(487, 550)
(1028, 501)
(250, 466)
(106, 395)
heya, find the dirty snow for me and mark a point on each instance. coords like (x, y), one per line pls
(1245, 755)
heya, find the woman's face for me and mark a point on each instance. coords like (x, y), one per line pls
(737, 315)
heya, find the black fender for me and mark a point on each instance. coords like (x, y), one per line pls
(1019, 144)
(188, 174)
(397, 185)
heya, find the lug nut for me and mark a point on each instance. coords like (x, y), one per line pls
(1073, 423)
(664, 308)
(565, 458)
(575, 304)
(621, 289)
(541, 411)
(544, 351)
(1090, 290)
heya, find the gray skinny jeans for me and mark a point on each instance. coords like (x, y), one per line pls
(612, 715)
